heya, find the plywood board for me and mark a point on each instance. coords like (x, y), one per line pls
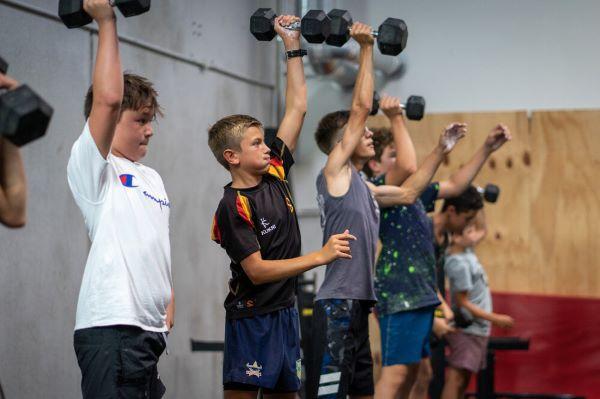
(566, 201)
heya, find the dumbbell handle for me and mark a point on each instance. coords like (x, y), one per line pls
(293, 26)
(297, 25)
(374, 33)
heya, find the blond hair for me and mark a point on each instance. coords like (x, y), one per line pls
(227, 133)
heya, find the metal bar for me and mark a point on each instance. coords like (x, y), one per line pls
(207, 346)
(145, 46)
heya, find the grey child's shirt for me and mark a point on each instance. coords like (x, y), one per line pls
(465, 273)
(358, 212)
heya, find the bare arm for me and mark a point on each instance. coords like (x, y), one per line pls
(499, 320)
(461, 179)
(262, 271)
(171, 311)
(13, 186)
(108, 76)
(409, 191)
(362, 100)
(406, 157)
(295, 94)
(412, 188)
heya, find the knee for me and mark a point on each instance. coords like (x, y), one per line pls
(425, 374)
(395, 376)
(456, 378)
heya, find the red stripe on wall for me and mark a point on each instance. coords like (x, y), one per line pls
(564, 354)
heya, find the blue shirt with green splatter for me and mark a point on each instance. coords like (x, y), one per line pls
(405, 271)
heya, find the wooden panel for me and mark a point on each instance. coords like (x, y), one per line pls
(566, 201)
(544, 232)
(506, 251)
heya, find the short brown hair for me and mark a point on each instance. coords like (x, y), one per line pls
(138, 92)
(328, 129)
(227, 133)
(381, 138)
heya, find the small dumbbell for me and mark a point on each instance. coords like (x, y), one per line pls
(314, 25)
(414, 109)
(3, 66)
(391, 34)
(490, 193)
(73, 15)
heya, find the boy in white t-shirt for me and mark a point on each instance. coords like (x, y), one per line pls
(125, 305)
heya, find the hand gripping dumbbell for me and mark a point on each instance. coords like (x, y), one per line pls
(391, 35)
(74, 16)
(490, 193)
(314, 25)
(414, 109)
(24, 115)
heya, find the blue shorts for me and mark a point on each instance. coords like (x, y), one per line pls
(263, 351)
(405, 336)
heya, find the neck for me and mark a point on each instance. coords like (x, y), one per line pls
(359, 163)
(119, 154)
(244, 179)
(456, 249)
(439, 224)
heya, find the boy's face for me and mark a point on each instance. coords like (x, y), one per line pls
(458, 221)
(387, 161)
(365, 148)
(133, 133)
(254, 155)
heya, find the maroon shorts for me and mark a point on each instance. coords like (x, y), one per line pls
(467, 351)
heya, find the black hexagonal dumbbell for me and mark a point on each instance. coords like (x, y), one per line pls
(391, 35)
(73, 15)
(24, 115)
(314, 25)
(3, 66)
(490, 193)
(414, 109)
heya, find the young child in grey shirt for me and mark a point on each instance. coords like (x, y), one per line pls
(472, 301)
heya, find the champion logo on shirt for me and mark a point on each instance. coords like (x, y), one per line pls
(127, 180)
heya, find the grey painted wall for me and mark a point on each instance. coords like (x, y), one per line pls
(42, 264)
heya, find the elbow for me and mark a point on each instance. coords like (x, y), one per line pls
(301, 102)
(300, 107)
(411, 198)
(14, 220)
(410, 169)
(108, 100)
(362, 106)
(255, 277)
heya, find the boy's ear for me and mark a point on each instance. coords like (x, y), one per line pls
(451, 209)
(231, 157)
(374, 166)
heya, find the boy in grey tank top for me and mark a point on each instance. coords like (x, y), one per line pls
(341, 358)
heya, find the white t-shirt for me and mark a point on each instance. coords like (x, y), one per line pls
(127, 278)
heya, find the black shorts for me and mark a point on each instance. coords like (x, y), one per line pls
(119, 362)
(341, 354)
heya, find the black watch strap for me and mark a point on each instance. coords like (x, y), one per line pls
(296, 53)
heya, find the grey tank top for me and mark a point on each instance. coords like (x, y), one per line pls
(358, 212)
